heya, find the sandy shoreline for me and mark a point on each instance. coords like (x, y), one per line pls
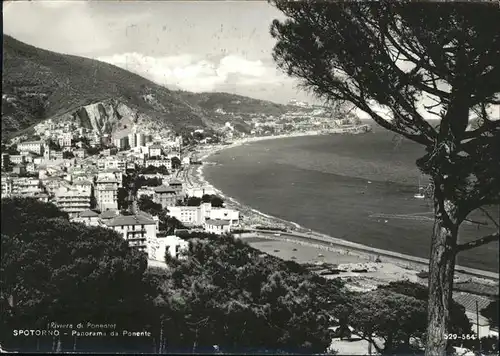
(393, 267)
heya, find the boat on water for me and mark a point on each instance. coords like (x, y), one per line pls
(420, 194)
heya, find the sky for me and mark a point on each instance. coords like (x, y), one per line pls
(194, 46)
(198, 46)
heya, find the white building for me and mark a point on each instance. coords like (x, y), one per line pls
(218, 227)
(106, 196)
(199, 192)
(145, 192)
(155, 151)
(112, 163)
(17, 159)
(197, 215)
(136, 229)
(167, 163)
(65, 139)
(83, 185)
(7, 186)
(158, 247)
(106, 191)
(31, 146)
(72, 201)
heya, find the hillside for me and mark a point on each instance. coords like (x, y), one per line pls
(233, 103)
(39, 84)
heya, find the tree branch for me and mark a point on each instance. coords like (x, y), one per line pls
(479, 242)
(485, 212)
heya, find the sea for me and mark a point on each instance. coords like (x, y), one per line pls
(358, 188)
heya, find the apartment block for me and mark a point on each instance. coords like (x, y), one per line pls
(72, 201)
(135, 229)
(31, 146)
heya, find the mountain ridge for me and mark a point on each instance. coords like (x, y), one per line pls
(39, 84)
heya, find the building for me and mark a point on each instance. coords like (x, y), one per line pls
(158, 247)
(135, 229)
(199, 192)
(31, 146)
(106, 192)
(26, 186)
(23, 187)
(72, 201)
(80, 153)
(218, 227)
(164, 195)
(5, 160)
(17, 159)
(197, 215)
(167, 163)
(132, 139)
(19, 169)
(140, 139)
(29, 157)
(65, 139)
(87, 217)
(106, 195)
(31, 168)
(176, 185)
(83, 185)
(7, 186)
(121, 143)
(145, 192)
(111, 163)
(155, 151)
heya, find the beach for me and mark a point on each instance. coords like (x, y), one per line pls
(392, 268)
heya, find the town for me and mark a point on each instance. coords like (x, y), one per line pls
(109, 179)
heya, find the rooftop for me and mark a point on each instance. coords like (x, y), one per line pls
(108, 214)
(88, 214)
(138, 219)
(217, 222)
(175, 182)
(163, 189)
(31, 142)
(82, 182)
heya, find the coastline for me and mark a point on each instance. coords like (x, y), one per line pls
(365, 254)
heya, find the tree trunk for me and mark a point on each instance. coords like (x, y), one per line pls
(441, 271)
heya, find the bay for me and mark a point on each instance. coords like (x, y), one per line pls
(355, 187)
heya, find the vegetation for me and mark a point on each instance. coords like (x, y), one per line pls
(54, 270)
(223, 292)
(393, 54)
(491, 313)
(154, 170)
(141, 181)
(214, 200)
(68, 155)
(176, 163)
